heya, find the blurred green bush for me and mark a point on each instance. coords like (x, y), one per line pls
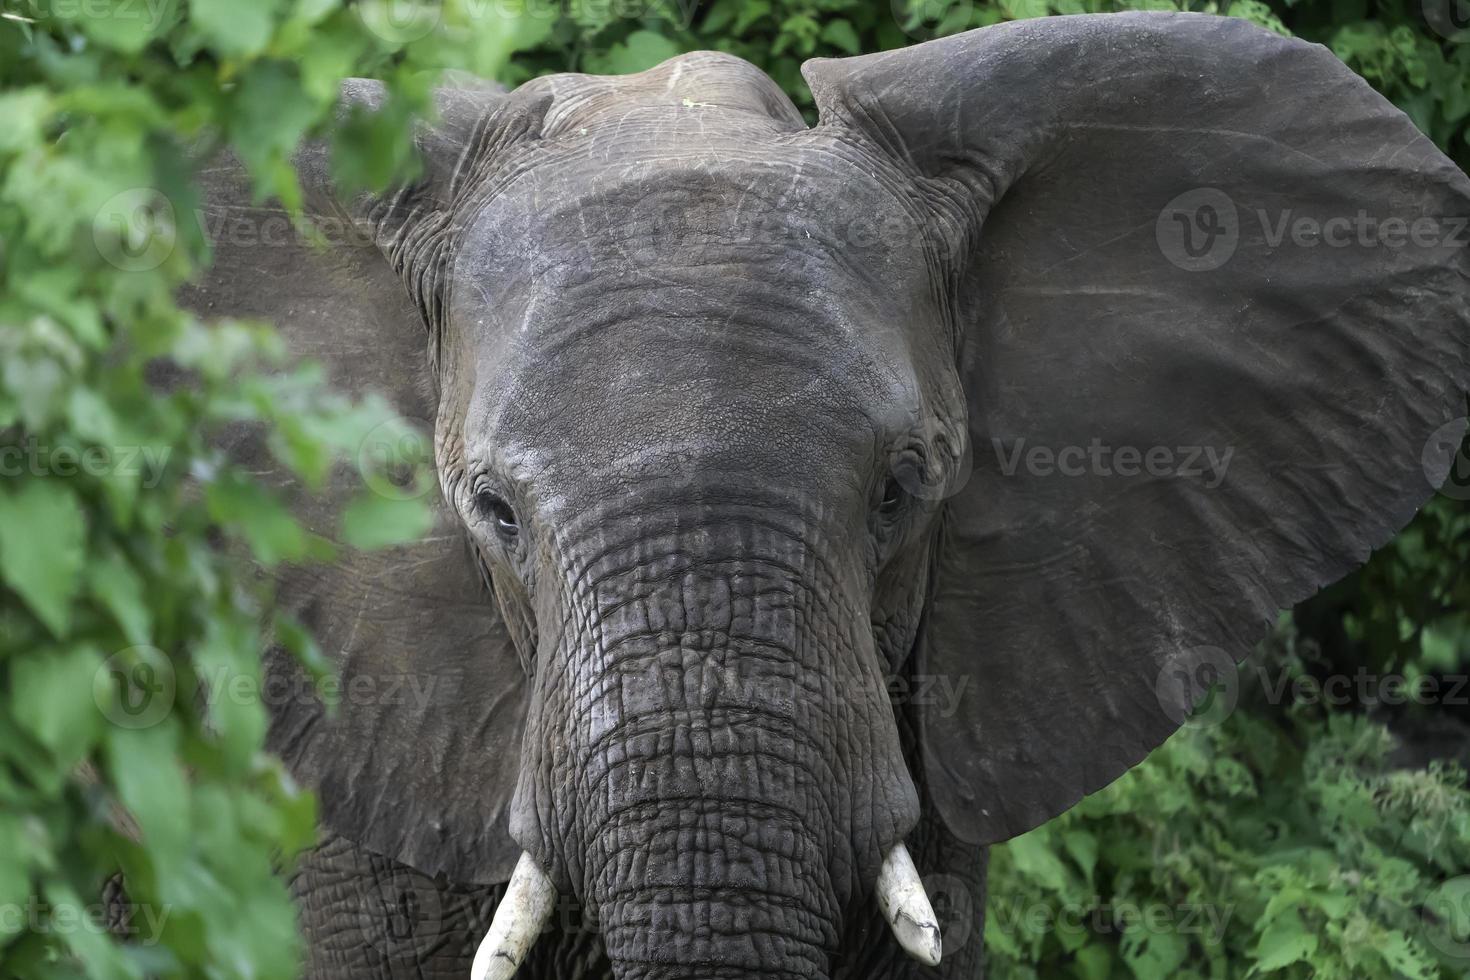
(117, 601)
(1288, 835)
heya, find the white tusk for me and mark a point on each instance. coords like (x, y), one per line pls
(906, 906)
(523, 912)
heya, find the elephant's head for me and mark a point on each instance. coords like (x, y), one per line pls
(1014, 378)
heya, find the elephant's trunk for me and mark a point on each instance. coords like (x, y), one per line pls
(723, 777)
(716, 813)
(718, 890)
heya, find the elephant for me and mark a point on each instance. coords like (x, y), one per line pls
(819, 504)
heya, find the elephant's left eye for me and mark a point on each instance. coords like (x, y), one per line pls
(493, 508)
(892, 500)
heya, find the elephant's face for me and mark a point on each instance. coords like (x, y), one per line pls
(698, 417)
(742, 417)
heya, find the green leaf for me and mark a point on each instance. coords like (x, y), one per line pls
(82, 932)
(23, 113)
(1152, 953)
(91, 417)
(261, 518)
(751, 11)
(639, 51)
(233, 27)
(1286, 941)
(117, 585)
(1082, 846)
(842, 35)
(272, 113)
(51, 697)
(1024, 9)
(374, 521)
(230, 667)
(41, 536)
(1405, 957)
(15, 882)
(1441, 649)
(1035, 859)
(1094, 962)
(144, 767)
(719, 16)
(127, 25)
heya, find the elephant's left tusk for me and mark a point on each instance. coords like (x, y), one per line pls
(906, 906)
(519, 919)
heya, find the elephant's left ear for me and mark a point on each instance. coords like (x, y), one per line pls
(1211, 305)
(414, 745)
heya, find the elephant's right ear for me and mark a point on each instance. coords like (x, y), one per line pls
(419, 761)
(1211, 301)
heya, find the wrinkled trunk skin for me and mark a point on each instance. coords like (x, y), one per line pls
(724, 783)
(709, 837)
(714, 893)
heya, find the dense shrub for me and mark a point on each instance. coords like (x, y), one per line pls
(117, 602)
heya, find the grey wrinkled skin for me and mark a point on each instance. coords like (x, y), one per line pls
(721, 407)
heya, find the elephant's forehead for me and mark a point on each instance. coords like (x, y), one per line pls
(795, 232)
(714, 299)
(731, 194)
(615, 415)
(723, 377)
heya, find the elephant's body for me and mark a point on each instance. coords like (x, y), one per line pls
(819, 505)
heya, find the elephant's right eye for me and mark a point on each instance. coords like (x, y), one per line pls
(493, 508)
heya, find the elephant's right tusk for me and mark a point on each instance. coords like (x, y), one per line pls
(519, 919)
(906, 906)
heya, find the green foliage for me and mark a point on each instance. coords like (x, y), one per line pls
(1389, 42)
(117, 603)
(1280, 840)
